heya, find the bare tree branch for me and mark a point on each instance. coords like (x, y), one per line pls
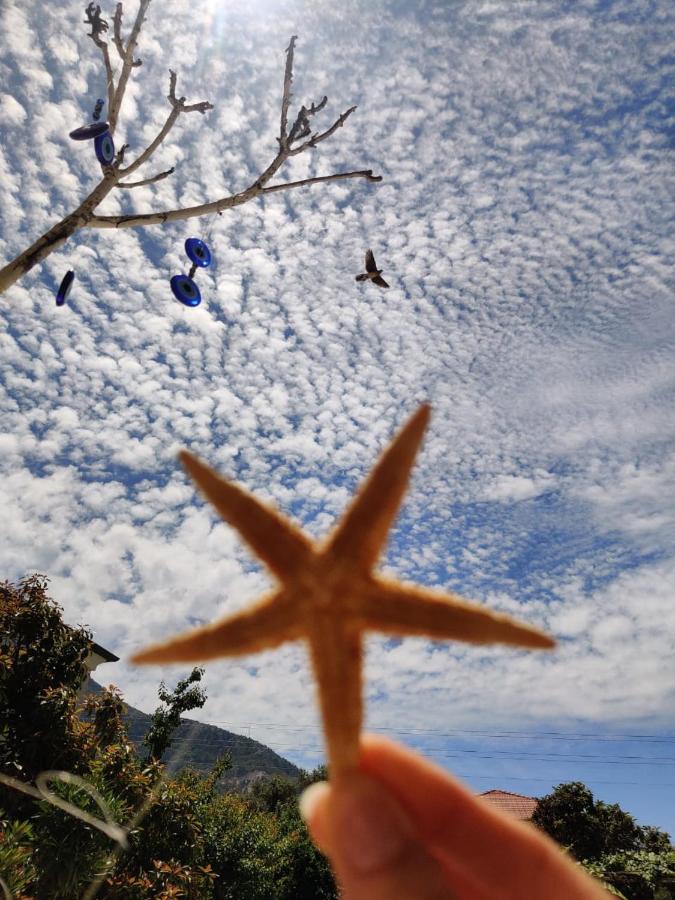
(127, 65)
(159, 177)
(288, 81)
(301, 127)
(317, 138)
(119, 157)
(178, 106)
(84, 216)
(180, 101)
(59, 234)
(98, 26)
(217, 206)
(117, 30)
(336, 176)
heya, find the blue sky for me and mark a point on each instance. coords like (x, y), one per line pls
(524, 223)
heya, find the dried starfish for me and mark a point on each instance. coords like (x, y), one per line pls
(329, 594)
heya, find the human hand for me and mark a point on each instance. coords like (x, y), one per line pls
(403, 829)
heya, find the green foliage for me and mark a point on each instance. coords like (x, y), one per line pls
(166, 719)
(302, 872)
(42, 665)
(185, 839)
(592, 829)
(273, 794)
(636, 874)
(165, 880)
(568, 815)
(106, 711)
(16, 850)
(654, 840)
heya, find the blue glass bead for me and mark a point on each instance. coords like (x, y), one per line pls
(64, 287)
(105, 149)
(198, 253)
(185, 290)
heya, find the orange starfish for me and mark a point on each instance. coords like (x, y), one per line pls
(329, 594)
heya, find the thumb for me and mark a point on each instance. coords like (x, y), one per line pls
(371, 842)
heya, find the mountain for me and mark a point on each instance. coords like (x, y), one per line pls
(198, 746)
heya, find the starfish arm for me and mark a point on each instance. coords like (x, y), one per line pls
(403, 609)
(263, 626)
(337, 660)
(281, 546)
(362, 533)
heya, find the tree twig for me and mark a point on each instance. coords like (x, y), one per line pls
(98, 26)
(286, 97)
(133, 184)
(317, 138)
(178, 106)
(336, 176)
(117, 30)
(128, 64)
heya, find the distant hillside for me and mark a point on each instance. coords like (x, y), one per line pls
(197, 746)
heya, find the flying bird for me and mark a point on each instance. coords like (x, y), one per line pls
(372, 273)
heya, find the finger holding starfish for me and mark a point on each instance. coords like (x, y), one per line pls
(329, 593)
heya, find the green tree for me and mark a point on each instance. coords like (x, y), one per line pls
(42, 665)
(654, 840)
(166, 718)
(303, 873)
(594, 830)
(273, 793)
(637, 874)
(568, 814)
(185, 839)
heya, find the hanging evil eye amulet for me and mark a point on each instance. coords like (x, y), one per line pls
(184, 287)
(105, 148)
(65, 287)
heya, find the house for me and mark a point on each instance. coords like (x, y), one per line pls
(98, 655)
(515, 805)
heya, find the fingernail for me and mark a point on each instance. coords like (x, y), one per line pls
(310, 799)
(371, 828)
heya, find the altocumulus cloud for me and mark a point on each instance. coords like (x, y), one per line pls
(523, 225)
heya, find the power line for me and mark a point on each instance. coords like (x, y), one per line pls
(456, 752)
(552, 735)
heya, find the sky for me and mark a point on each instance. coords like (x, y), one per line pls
(524, 222)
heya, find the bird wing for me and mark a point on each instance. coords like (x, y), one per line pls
(370, 262)
(379, 280)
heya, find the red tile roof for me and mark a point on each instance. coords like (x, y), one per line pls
(515, 805)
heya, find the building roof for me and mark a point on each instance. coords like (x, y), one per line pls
(102, 652)
(516, 805)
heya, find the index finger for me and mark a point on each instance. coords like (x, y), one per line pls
(508, 857)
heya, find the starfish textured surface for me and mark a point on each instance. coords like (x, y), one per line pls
(329, 594)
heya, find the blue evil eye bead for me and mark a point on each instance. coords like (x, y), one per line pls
(97, 109)
(198, 253)
(185, 290)
(89, 132)
(105, 149)
(64, 287)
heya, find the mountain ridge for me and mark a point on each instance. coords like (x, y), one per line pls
(197, 745)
